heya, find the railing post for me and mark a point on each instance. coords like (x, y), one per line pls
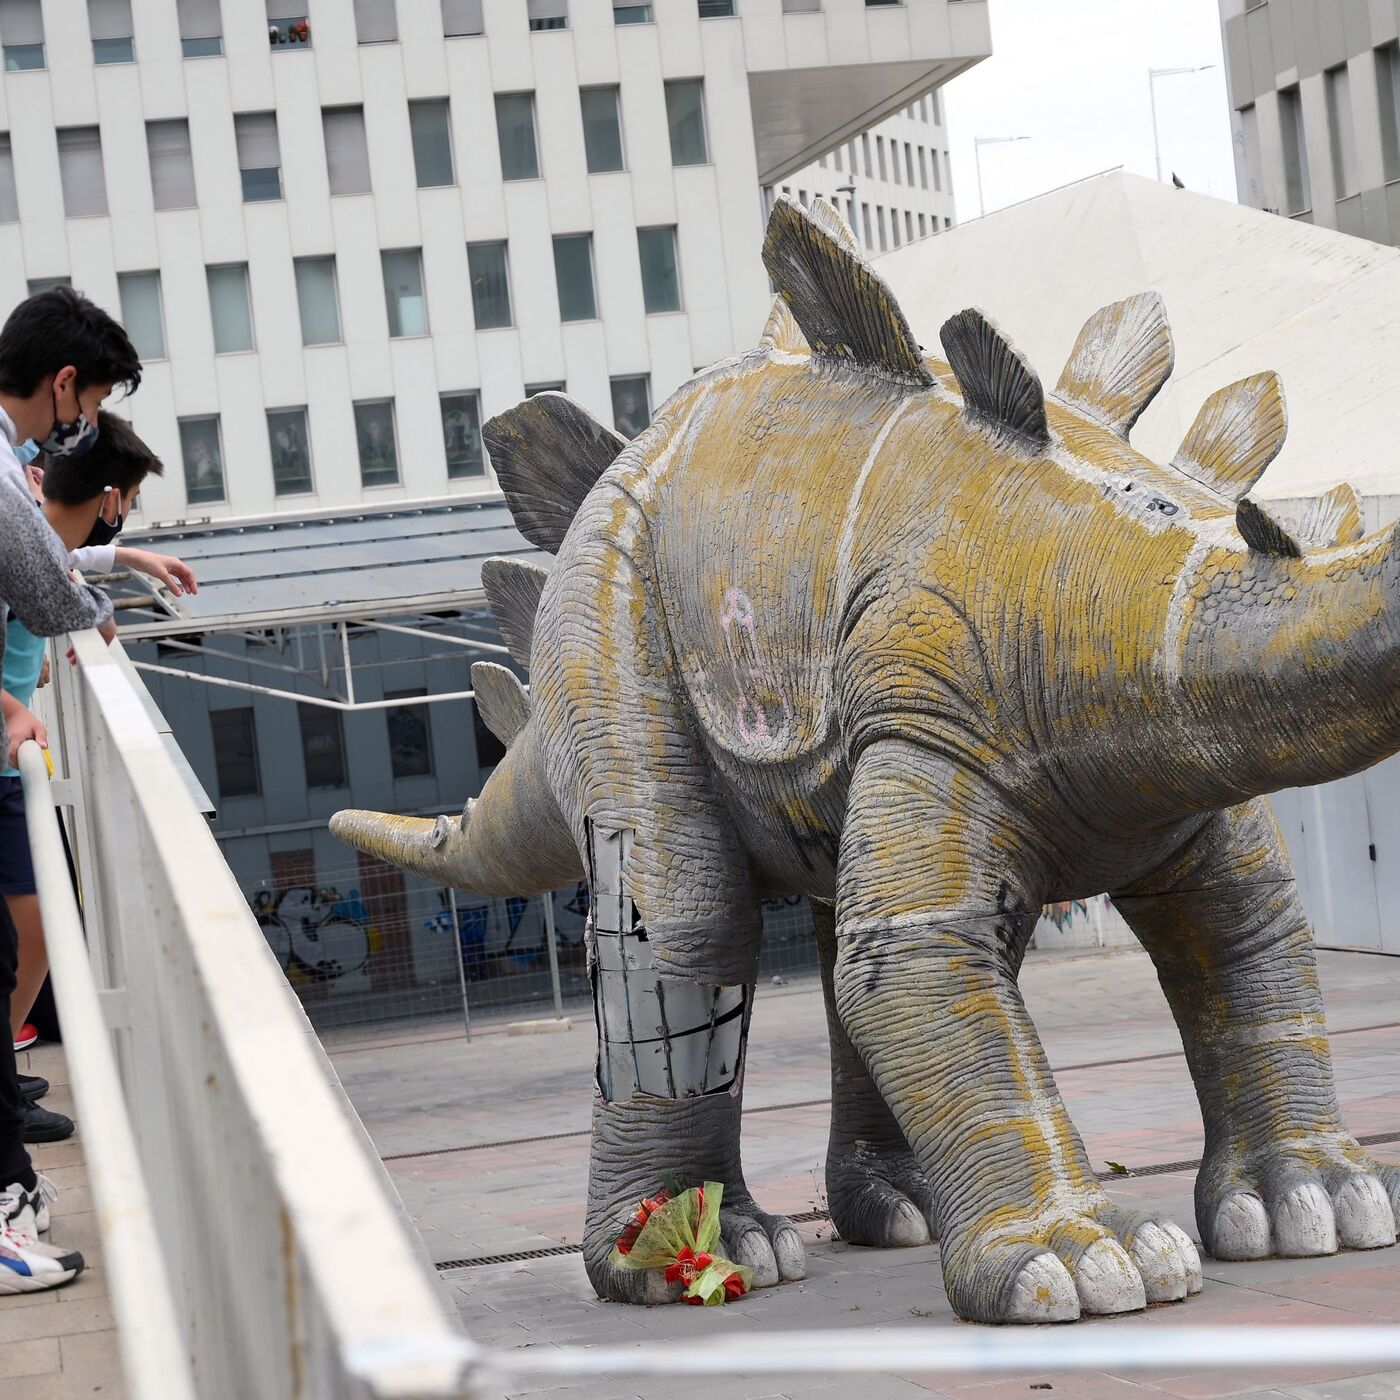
(553, 952)
(461, 960)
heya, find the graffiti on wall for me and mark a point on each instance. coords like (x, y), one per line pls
(316, 934)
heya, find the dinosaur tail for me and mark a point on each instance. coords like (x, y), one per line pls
(512, 840)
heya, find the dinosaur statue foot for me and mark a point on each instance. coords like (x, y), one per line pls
(878, 1195)
(1307, 1195)
(636, 1145)
(1054, 1266)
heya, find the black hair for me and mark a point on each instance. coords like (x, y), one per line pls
(62, 327)
(118, 459)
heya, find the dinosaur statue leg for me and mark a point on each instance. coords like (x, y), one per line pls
(874, 1188)
(938, 894)
(670, 1078)
(1234, 953)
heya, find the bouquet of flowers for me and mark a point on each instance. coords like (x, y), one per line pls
(677, 1231)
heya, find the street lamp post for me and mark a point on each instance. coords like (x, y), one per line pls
(1152, 75)
(977, 143)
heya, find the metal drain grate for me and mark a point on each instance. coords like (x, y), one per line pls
(816, 1217)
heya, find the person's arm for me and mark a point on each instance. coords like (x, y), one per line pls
(20, 724)
(34, 566)
(174, 573)
(97, 558)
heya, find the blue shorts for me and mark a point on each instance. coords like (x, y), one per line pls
(16, 868)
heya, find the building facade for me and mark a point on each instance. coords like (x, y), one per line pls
(343, 232)
(1315, 97)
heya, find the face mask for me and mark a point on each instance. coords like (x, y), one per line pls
(27, 451)
(69, 439)
(102, 532)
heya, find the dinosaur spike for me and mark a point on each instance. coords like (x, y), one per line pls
(827, 217)
(781, 331)
(501, 700)
(547, 452)
(1118, 365)
(513, 590)
(845, 309)
(1326, 520)
(1237, 433)
(1262, 533)
(999, 389)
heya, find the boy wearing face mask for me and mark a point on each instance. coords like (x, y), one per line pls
(86, 500)
(60, 356)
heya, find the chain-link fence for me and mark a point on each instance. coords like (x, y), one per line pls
(369, 947)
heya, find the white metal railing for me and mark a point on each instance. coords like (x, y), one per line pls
(255, 1248)
(292, 1271)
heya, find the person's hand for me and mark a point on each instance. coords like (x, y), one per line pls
(20, 725)
(43, 674)
(35, 477)
(108, 631)
(174, 573)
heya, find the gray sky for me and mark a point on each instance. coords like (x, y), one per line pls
(1072, 75)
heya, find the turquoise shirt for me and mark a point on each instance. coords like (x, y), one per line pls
(24, 659)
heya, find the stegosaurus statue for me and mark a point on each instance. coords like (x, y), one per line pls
(917, 640)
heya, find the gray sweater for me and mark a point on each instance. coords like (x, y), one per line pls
(34, 581)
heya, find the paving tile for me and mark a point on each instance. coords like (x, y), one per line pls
(29, 1358)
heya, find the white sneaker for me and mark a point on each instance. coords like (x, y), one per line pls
(26, 1264)
(32, 1217)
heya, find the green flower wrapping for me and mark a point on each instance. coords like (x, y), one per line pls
(679, 1235)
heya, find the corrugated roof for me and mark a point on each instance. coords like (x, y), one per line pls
(278, 572)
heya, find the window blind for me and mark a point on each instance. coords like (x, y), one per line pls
(110, 19)
(541, 12)
(256, 134)
(9, 201)
(80, 171)
(347, 155)
(376, 21)
(172, 167)
(199, 19)
(461, 17)
(21, 22)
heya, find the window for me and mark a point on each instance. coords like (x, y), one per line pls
(801, 7)
(626, 13)
(880, 155)
(316, 300)
(631, 402)
(22, 34)
(547, 14)
(573, 275)
(172, 166)
(228, 308)
(9, 197)
(865, 151)
(291, 451)
(141, 318)
(259, 158)
(936, 103)
(461, 435)
(716, 9)
(836, 159)
(432, 143)
(47, 284)
(322, 745)
(403, 291)
(923, 226)
(871, 4)
(347, 154)
(374, 434)
(410, 747)
(923, 168)
(461, 17)
(685, 115)
(235, 751)
(661, 285)
(894, 227)
(1298, 192)
(201, 28)
(109, 22)
(1388, 91)
(909, 164)
(376, 22)
(908, 227)
(203, 456)
(865, 224)
(1342, 130)
(851, 214)
(552, 386)
(602, 129)
(286, 24)
(515, 130)
(935, 160)
(490, 279)
(880, 226)
(80, 171)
